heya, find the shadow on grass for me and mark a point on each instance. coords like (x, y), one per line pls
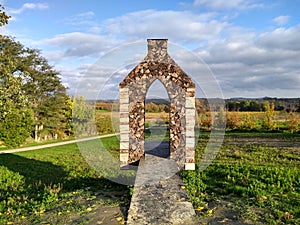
(33, 170)
(42, 178)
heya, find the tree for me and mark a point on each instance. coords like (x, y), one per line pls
(15, 126)
(232, 105)
(292, 122)
(151, 107)
(3, 16)
(40, 84)
(42, 87)
(268, 122)
(232, 120)
(248, 123)
(15, 116)
(244, 105)
(83, 117)
(30, 93)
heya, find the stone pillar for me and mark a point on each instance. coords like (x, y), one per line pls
(124, 126)
(190, 114)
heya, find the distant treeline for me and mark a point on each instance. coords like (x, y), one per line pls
(202, 105)
(257, 105)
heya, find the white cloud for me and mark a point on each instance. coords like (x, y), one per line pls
(97, 80)
(29, 6)
(281, 38)
(54, 56)
(81, 19)
(264, 65)
(86, 15)
(78, 44)
(281, 20)
(227, 4)
(178, 26)
(245, 62)
(191, 28)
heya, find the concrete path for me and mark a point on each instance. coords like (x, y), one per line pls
(159, 196)
(56, 144)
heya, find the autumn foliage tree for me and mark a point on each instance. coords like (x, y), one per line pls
(268, 122)
(292, 122)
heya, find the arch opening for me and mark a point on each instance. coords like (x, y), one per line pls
(157, 120)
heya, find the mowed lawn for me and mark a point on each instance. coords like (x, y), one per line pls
(52, 185)
(255, 179)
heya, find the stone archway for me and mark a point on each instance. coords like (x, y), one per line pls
(181, 90)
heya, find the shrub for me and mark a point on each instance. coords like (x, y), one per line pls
(268, 122)
(292, 122)
(248, 122)
(233, 121)
(205, 121)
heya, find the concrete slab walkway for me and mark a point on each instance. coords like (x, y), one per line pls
(158, 196)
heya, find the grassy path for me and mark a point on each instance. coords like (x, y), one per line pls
(56, 144)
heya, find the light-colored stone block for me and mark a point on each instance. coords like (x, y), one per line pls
(124, 115)
(124, 94)
(190, 89)
(189, 166)
(124, 107)
(190, 132)
(124, 90)
(124, 120)
(190, 122)
(124, 99)
(191, 113)
(124, 128)
(190, 142)
(124, 145)
(124, 137)
(190, 154)
(190, 102)
(124, 157)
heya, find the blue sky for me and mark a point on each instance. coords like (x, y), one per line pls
(251, 47)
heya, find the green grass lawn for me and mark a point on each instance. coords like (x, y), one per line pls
(254, 173)
(51, 184)
(261, 182)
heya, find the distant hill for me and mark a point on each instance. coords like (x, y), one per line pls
(158, 101)
(232, 104)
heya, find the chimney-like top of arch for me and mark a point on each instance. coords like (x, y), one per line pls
(158, 64)
(157, 49)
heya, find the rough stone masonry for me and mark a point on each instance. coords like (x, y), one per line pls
(181, 90)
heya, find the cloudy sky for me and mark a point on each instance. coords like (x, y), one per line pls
(231, 48)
